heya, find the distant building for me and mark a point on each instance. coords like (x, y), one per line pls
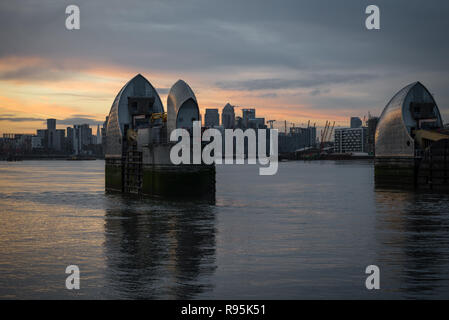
(371, 124)
(37, 143)
(257, 123)
(69, 140)
(307, 136)
(211, 118)
(42, 134)
(248, 114)
(16, 143)
(81, 138)
(59, 141)
(356, 122)
(98, 139)
(297, 138)
(348, 140)
(228, 117)
(77, 139)
(103, 134)
(238, 123)
(86, 137)
(53, 139)
(51, 124)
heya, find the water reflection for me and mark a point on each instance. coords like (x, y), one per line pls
(307, 232)
(159, 249)
(413, 234)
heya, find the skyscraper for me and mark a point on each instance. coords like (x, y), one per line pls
(69, 144)
(98, 134)
(51, 124)
(82, 137)
(356, 122)
(103, 134)
(372, 123)
(55, 138)
(212, 118)
(247, 115)
(228, 117)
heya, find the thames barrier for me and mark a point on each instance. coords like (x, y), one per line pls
(411, 143)
(137, 157)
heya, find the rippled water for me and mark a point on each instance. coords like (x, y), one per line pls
(308, 232)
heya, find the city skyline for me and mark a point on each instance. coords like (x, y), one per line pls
(287, 62)
(281, 125)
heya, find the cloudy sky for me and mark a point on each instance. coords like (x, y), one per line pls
(291, 60)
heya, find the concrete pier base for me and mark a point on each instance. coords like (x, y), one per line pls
(162, 180)
(429, 172)
(433, 168)
(395, 172)
(114, 175)
(179, 180)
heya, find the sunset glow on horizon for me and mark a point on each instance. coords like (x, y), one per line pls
(88, 93)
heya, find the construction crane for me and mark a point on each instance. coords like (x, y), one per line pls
(323, 132)
(322, 137)
(327, 131)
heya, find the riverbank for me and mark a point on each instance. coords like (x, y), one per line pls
(315, 156)
(47, 157)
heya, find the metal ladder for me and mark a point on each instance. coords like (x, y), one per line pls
(133, 173)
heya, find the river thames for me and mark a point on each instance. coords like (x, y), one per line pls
(308, 232)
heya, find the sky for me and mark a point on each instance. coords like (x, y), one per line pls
(291, 60)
